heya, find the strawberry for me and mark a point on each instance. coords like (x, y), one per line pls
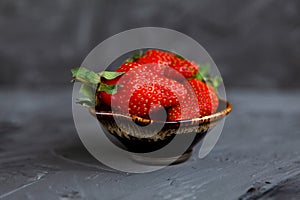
(155, 56)
(186, 110)
(105, 97)
(149, 81)
(125, 67)
(185, 69)
(206, 95)
(206, 101)
(142, 89)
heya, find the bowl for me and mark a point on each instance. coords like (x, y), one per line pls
(130, 137)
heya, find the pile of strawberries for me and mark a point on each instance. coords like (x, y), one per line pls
(151, 82)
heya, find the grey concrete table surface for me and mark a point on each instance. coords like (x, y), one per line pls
(256, 157)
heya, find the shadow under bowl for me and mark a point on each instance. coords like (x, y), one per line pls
(131, 133)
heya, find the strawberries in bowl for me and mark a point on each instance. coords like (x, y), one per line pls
(151, 81)
(158, 88)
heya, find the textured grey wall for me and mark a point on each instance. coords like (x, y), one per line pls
(255, 43)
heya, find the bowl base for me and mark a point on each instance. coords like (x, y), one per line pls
(161, 160)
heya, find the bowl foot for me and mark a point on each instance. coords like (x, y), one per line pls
(161, 160)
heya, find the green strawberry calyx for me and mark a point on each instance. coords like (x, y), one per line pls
(136, 56)
(204, 75)
(91, 84)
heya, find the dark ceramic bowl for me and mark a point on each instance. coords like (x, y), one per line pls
(132, 138)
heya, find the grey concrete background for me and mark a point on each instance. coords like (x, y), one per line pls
(255, 43)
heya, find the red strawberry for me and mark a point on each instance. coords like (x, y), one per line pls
(185, 69)
(105, 97)
(142, 86)
(207, 102)
(155, 56)
(125, 67)
(186, 110)
(140, 89)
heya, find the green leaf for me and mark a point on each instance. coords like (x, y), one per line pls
(216, 81)
(135, 56)
(204, 70)
(85, 75)
(74, 71)
(199, 76)
(86, 102)
(110, 89)
(90, 81)
(203, 73)
(110, 75)
(88, 91)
